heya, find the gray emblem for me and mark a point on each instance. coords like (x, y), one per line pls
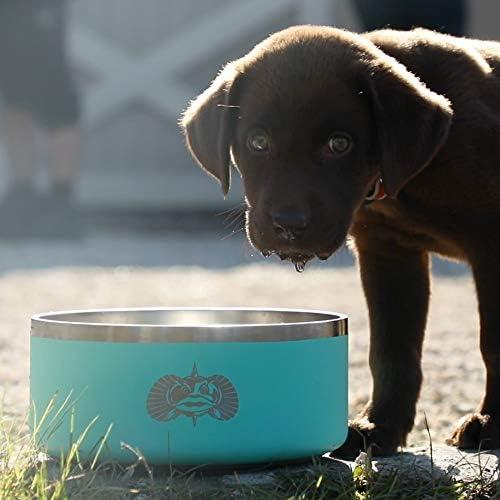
(193, 396)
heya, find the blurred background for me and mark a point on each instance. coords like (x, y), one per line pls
(101, 205)
(91, 93)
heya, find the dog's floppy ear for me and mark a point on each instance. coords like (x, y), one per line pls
(209, 124)
(412, 122)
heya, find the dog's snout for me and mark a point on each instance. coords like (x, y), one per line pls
(290, 224)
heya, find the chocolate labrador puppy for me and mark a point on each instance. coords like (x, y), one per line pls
(392, 137)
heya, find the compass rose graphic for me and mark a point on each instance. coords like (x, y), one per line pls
(193, 396)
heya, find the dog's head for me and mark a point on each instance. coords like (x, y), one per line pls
(312, 117)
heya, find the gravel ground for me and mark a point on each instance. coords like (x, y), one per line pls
(453, 370)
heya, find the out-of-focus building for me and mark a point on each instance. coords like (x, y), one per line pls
(139, 63)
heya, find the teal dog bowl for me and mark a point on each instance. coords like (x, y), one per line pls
(190, 386)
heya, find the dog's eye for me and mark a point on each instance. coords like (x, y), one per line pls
(258, 142)
(339, 144)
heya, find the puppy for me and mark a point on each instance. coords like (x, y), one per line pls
(393, 137)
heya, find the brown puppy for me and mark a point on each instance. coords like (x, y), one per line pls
(318, 121)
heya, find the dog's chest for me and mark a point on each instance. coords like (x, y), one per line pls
(414, 228)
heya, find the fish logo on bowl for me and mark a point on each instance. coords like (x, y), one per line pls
(193, 396)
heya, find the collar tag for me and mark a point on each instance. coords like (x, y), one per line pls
(377, 193)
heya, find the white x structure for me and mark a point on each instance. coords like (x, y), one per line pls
(154, 77)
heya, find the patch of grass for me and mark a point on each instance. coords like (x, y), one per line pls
(322, 482)
(406, 483)
(27, 473)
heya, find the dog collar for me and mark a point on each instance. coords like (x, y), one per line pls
(377, 192)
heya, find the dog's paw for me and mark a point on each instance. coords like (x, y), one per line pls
(476, 431)
(364, 434)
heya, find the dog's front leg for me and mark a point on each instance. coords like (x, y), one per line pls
(481, 430)
(396, 285)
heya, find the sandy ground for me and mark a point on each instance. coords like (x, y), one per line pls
(453, 370)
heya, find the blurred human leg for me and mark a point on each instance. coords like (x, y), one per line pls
(19, 130)
(64, 156)
(20, 204)
(37, 88)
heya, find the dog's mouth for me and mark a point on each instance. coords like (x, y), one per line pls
(299, 260)
(299, 252)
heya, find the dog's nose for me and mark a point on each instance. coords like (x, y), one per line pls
(289, 224)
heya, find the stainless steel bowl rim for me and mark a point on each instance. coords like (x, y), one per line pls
(68, 325)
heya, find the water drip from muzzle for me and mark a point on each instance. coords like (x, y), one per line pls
(300, 266)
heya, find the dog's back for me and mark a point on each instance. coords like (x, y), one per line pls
(458, 68)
